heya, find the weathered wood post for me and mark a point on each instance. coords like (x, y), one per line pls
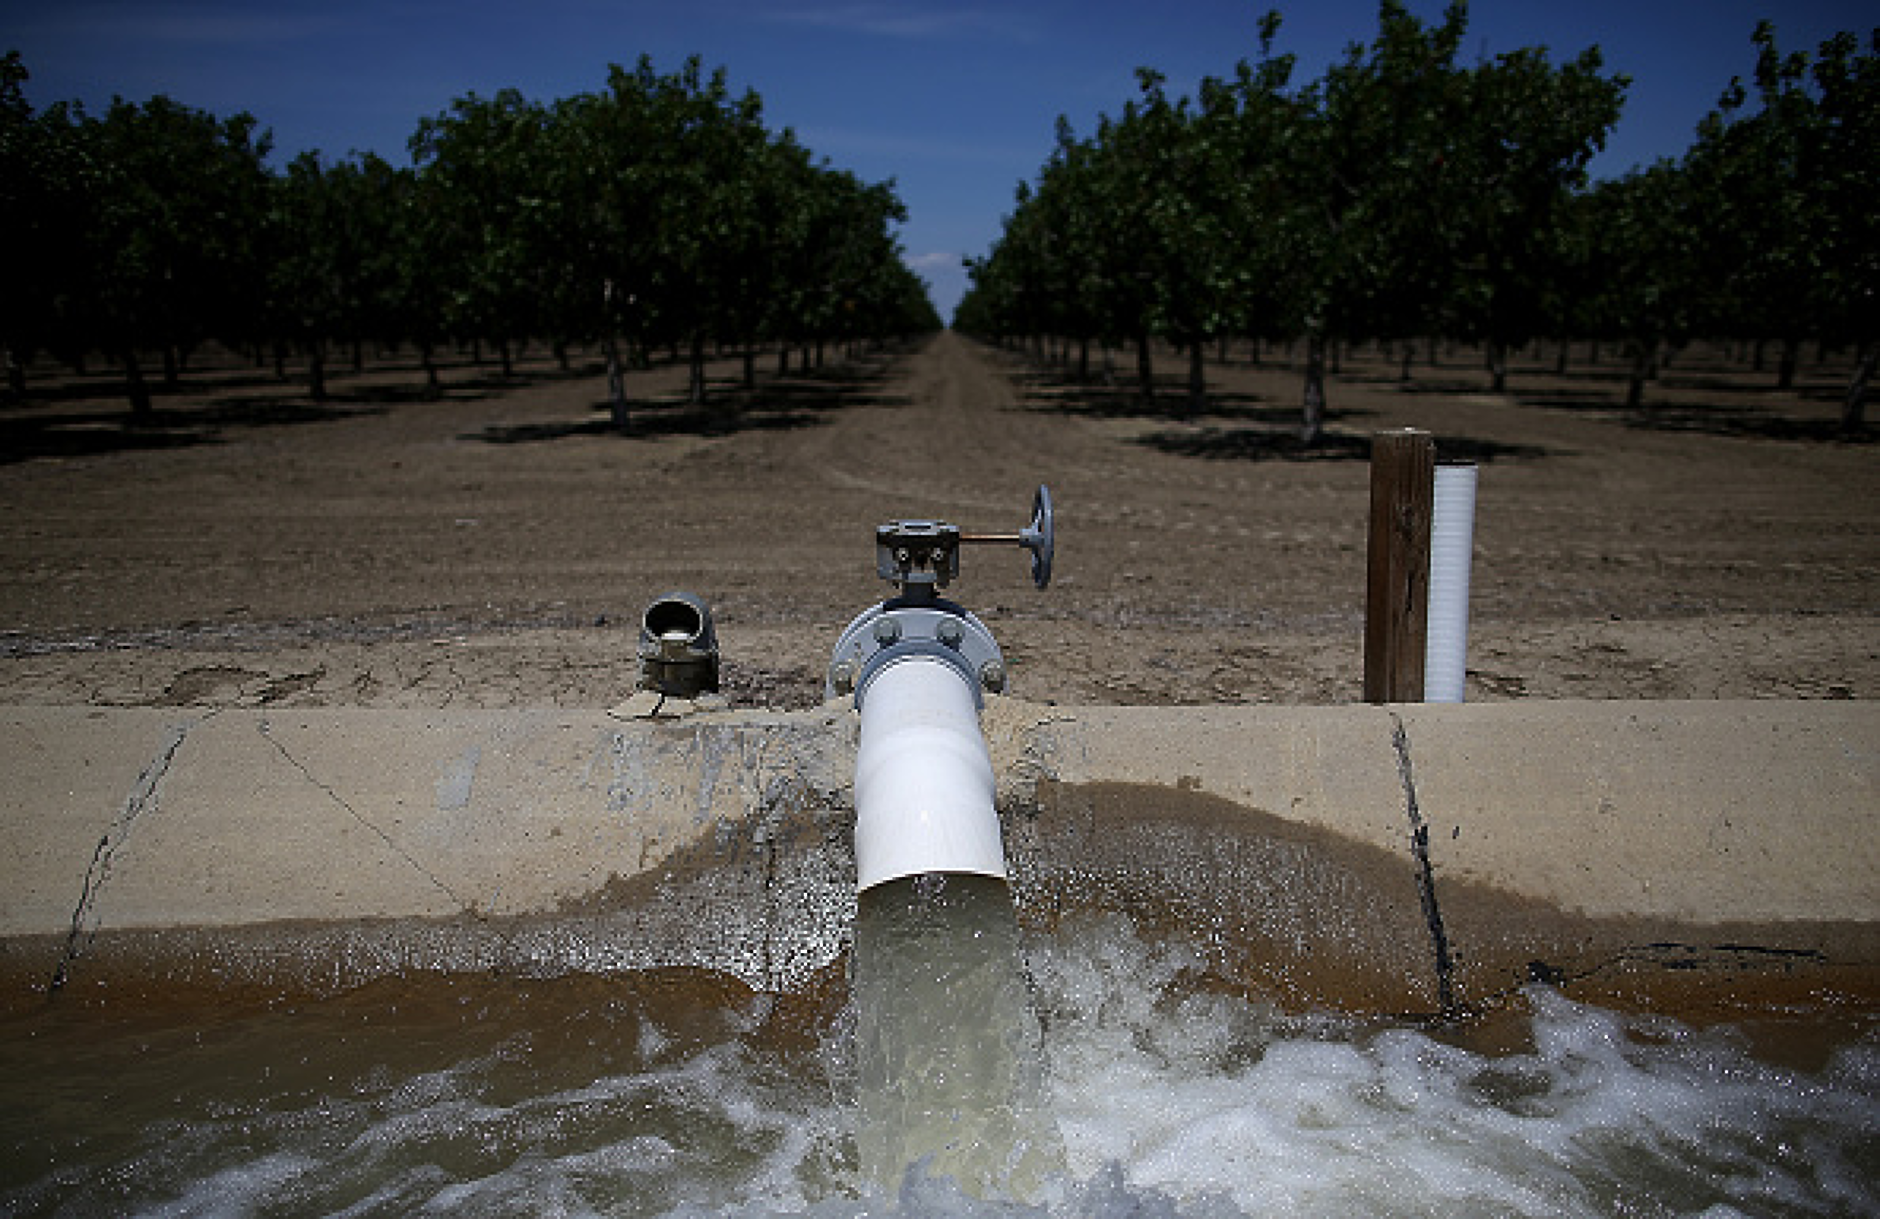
(1397, 584)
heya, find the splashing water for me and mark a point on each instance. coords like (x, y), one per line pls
(948, 1065)
(686, 1094)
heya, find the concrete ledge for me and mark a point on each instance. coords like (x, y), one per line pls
(1399, 858)
(1705, 812)
(243, 817)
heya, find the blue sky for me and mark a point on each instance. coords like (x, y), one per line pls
(955, 101)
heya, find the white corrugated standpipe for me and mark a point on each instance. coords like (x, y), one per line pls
(923, 776)
(1452, 547)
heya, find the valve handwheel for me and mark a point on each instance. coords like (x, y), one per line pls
(923, 556)
(1040, 537)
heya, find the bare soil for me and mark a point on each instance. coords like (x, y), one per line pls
(246, 546)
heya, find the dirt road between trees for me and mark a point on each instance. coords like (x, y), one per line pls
(495, 548)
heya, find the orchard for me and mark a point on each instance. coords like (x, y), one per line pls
(1406, 196)
(658, 211)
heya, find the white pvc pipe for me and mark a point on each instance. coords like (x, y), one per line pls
(1452, 546)
(923, 777)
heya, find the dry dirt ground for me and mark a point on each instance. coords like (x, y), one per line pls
(496, 547)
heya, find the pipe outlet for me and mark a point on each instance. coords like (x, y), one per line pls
(923, 776)
(678, 647)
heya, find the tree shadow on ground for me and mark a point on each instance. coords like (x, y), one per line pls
(1124, 400)
(782, 403)
(649, 422)
(1428, 383)
(94, 433)
(64, 436)
(1739, 421)
(1274, 444)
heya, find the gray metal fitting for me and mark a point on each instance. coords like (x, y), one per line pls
(900, 630)
(678, 648)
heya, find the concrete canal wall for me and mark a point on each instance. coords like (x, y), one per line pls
(1390, 857)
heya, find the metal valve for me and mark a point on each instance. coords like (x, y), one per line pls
(919, 558)
(924, 556)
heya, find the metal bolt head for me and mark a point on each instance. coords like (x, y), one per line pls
(887, 630)
(992, 677)
(949, 631)
(842, 677)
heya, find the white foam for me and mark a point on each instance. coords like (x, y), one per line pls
(1169, 1101)
(1398, 1123)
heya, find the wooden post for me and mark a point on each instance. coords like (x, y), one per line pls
(1397, 584)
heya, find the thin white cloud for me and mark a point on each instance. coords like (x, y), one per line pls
(905, 20)
(939, 260)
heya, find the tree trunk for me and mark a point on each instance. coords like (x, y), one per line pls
(1497, 353)
(1403, 370)
(1197, 380)
(1083, 359)
(1312, 420)
(316, 370)
(433, 386)
(1854, 406)
(1145, 370)
(1785, 371)
(1643, 357)
(135, 387)
(695, 382)
(616, 386)
(16, 375)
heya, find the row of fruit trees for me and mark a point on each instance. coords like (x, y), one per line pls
(1407, 194)
(658, 211)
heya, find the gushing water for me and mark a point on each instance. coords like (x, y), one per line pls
(684, 1093)
(948, 1068)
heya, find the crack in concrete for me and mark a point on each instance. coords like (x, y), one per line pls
(467, 907)
(144, 798)
(1426, 876)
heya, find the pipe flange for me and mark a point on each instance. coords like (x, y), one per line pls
(894, 630)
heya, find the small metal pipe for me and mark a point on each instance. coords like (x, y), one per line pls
(678, 647)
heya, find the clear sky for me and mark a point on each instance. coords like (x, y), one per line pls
(954, 99)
